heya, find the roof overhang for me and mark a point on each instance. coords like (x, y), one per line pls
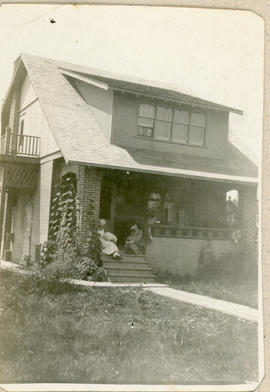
(85, 79)
(207, 176)
(178, 101)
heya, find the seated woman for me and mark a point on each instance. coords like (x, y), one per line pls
(135, 242)
(108, 241)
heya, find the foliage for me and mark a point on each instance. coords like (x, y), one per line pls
(28, 261)
(69, 264)
(237, 264)
(207, 255)
(47, 252)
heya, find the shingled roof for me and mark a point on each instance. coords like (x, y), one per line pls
(80, 139)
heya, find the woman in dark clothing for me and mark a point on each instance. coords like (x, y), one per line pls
(135, 242)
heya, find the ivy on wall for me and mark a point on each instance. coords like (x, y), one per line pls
(63, 226)
(67, 253)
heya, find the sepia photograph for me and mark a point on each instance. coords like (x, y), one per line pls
(130, 203)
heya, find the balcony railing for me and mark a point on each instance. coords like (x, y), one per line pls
(206, 233)
(13, 144)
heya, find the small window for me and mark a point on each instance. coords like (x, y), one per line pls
(196, 136)
(146, 120)
(196, 129)
(180, 126)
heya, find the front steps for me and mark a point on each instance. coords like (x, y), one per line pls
(130, 269)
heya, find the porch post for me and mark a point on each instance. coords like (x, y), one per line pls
(4, 204)
(88, 190)
(3, 207)
(248, 208)
(45, 187)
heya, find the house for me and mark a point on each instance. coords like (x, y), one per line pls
(141, 152)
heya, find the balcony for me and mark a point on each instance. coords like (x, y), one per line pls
(19, 157)
(20, 148)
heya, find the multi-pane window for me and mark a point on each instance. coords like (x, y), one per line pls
(146, 120)
(176, 125)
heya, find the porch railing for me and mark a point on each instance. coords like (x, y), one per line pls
(207, 233)
(13, 144)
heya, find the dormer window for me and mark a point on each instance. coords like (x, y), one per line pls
(170, 124)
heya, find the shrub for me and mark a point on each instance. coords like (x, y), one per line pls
(28, 261)
(47, 252)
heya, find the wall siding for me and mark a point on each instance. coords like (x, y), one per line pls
(28, 94)
(35, 122)
(100, 102)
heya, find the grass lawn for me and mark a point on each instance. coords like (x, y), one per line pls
(117, 335)
(237, 290)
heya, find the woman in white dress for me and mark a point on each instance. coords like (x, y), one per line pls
(108, 241)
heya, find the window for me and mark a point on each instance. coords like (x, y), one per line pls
(175, 125)
(146, 120)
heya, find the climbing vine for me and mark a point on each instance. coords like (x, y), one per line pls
(67, 252)
(63, 228)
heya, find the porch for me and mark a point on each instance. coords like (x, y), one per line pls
(179, 216)
(171, 207)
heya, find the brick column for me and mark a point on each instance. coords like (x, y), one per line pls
(88, 190)
(248, 207)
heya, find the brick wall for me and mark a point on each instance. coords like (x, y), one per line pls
(248, 215)
(88, 190)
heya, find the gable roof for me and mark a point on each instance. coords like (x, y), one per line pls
(80, 139)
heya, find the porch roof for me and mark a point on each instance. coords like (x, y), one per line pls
(80, 139)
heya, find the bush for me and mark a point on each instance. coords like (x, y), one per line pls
(47, 252)
(79, 260)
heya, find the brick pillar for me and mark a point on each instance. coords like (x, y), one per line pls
(248, 207)
(88, 190)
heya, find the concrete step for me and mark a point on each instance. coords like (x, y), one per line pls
(126, 265)
(130, 269)
(126, 258)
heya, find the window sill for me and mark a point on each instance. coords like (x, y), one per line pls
(150, 139)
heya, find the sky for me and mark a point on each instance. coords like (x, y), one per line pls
(212, 54)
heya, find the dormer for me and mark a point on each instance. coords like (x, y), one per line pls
(169, 126)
